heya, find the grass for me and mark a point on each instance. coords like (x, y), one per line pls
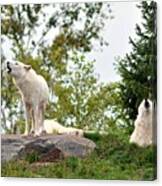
(114, 158)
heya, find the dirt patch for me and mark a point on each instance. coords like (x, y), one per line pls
(52, 155)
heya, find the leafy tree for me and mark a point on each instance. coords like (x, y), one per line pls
(72, 26)
(138, 68)
(104, 108)
(73, 90)
(82, 101)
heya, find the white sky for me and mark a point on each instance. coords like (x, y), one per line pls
(116, 32)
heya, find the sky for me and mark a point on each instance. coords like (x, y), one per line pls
(116, 32)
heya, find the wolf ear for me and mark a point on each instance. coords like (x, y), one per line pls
(27, 67)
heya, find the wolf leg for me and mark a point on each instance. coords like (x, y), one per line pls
(27, 114)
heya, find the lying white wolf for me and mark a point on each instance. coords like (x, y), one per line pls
(52, 126)
(34, 91)
(143, 132)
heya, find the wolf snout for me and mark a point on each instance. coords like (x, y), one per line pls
(147, 105)
(8, 67)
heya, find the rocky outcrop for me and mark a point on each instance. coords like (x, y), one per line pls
(48, 148)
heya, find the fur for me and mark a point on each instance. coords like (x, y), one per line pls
(52, 126)
(143, 131)
(34, 92)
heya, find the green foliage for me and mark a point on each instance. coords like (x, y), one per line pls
(94, 136)
(74, 89)
(82, 99)
(32, 157)
(113, 159)
(138, 68)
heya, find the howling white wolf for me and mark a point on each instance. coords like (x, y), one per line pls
(34, 91)
(143, 132)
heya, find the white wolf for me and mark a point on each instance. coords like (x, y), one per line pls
(143, 132)
(34, 91)
(52, 126)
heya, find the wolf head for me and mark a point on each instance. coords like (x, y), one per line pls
(146, 104)
(145, 107)
(16, 68)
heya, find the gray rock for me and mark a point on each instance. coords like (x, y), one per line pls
(49, 148)
(10, 146)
